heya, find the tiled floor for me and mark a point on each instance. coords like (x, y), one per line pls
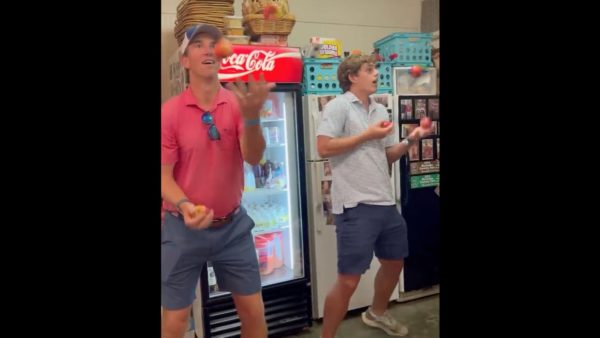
(421, 316)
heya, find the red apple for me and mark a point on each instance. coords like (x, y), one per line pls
(393, 56)
(267, 10)
(223, 48)
(416, 70)
(271, 11)
(425, 122)
(384, 124)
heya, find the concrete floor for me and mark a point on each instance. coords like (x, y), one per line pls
(421, 316)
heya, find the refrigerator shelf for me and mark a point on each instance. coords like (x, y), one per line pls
(272, 120)
(218, 293)
(260, 192)
(276, 145)
(282, 274)
(266, 230)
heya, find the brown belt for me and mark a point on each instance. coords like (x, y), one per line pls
(216, 222)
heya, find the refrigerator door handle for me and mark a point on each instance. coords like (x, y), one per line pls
(320, 200)
(397, 185)
(316, 199)
(319, 211)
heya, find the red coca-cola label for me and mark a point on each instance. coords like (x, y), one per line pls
(277, 64)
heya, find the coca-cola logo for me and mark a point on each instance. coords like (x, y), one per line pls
(277, 64)
(255, 60)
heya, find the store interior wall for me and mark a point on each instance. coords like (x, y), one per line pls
(357, 23)
(430, 16)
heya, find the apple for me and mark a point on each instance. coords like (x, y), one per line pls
(271, 11)
(384, 124)
(223, 48)
(416, 70)
(393, 56)
(199, 209)
(425, 122)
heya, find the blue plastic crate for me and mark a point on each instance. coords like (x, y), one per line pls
(411, 48)
(385, 81)
(320, 76)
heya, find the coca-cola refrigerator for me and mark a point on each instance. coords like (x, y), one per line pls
(273, 191)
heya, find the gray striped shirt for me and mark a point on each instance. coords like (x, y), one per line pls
(360, 175)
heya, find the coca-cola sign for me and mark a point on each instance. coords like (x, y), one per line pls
(278, 64)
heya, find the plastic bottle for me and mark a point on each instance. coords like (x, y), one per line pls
(249, 181)
(212, 280)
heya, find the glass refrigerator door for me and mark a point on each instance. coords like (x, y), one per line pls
(406, 83)
(272, 197)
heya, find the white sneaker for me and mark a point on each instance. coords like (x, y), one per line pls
(384, 322)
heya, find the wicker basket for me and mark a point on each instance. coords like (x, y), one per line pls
(257, 6)
(258, 25)
(191, 12)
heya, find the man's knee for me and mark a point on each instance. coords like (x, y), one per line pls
(348, 283)
(395, 265)
(175, 322)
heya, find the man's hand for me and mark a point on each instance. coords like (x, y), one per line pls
(420, 132)
(378, 131)
(251, 98)
(195, 219)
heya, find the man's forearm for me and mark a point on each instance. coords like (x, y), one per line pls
(170, 191)
(337, 146)
(396, 151)
(253, 144)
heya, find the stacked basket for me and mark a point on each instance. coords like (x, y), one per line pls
(256, 23)
(191, 12)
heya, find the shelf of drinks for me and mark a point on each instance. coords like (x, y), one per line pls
(259, 230)
(260, 192)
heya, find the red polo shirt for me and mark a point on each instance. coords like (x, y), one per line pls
(209, 172)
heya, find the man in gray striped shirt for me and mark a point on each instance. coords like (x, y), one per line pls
(361, 146)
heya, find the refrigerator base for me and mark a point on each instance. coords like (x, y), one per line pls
(416, 294)
(287, 311)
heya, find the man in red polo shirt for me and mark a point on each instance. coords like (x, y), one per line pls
(207, 132)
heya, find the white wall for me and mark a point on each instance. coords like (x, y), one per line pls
(357, 23)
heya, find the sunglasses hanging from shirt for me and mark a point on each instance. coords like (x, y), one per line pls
(213, 132)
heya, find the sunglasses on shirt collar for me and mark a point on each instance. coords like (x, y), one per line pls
(213, 132)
